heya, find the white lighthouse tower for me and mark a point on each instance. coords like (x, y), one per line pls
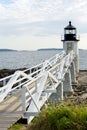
(70, 42)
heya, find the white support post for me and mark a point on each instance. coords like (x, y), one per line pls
(36, 85)
(24, 99)
(35, 103)
(4, 82)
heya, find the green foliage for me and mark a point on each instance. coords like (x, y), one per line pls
(61, 117)
(17, 126)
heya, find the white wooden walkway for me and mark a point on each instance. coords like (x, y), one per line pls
(10, 110)
(25, 92)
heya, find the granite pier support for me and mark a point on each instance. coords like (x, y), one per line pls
(73, 73)
(67, 84)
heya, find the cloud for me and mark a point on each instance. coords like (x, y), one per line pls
(27, 11)
(36, 21)
(40, 18)
(6, 2)
(31, 29)
(36, 10)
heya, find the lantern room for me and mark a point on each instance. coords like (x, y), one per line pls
(70, 33)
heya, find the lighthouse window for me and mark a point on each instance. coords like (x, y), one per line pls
(70, 31)
(69, 47)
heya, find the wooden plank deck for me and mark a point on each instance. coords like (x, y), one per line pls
(10, 110)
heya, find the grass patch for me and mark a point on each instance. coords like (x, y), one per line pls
(61, 117)
(18, 126)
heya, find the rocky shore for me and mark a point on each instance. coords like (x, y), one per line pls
(7, 72)
(80, 88)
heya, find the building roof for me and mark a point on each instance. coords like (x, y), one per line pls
(69, 27)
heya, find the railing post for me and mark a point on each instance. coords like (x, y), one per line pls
(4, 82)
(24, 99)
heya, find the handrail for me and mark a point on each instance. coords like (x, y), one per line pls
(10, 82)
(44, 84)
(37, 83)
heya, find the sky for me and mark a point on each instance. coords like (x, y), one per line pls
(34, 24)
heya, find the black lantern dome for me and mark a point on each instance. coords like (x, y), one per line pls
(70, 33)
(70, 27)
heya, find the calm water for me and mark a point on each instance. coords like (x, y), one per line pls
(21, 59)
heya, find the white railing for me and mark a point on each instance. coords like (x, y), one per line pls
(20, 78)
(37, 91)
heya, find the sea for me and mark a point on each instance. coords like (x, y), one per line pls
(27, 59)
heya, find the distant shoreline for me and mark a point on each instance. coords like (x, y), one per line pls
(2, 50)
(41, 49)
(49, 49)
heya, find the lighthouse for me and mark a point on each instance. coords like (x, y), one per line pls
(70, 42)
